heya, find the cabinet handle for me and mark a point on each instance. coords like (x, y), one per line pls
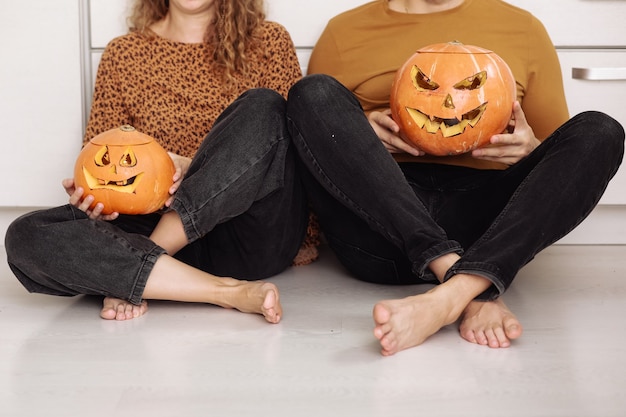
(599, 74)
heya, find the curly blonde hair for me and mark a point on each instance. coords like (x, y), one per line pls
(234, 34)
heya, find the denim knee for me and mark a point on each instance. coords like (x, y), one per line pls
(317, 89)
(610, 131)
(607, 133)
(265, 103)
(20, 235)
(25, 247)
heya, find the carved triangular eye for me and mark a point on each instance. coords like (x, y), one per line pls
(473, 82)
(102, 157)
(421, 81)
(128, 159)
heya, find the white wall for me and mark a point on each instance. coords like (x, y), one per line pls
(40, 99)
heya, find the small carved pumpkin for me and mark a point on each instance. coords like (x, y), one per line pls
(127, 171)
(450, 98)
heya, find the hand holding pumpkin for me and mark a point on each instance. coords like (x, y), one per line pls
(388, 132)
(181, 165)
(76, 199)
(509, 148)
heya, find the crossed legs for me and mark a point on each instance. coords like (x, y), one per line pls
(408, 322)
(338, 149)
(171, 279)
(244, 217)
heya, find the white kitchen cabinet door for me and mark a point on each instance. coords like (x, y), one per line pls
(107, 20)
(580, 23)
(305, 20)
(590, 38)
(40, 99)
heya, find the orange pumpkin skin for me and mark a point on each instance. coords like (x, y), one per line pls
(127, 171)
(450, 98)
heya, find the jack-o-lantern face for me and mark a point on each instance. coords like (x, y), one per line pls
(125, 170)
(451, 98)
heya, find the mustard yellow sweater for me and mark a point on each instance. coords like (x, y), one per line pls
(364, 47)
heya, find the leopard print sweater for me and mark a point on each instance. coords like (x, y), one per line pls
(172, 92)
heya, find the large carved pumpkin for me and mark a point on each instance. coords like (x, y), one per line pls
(450, 98)
(127, 171)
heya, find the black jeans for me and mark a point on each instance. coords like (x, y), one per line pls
(241, 202)
(386, 221)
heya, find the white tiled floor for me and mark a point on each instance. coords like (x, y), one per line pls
(57, 358)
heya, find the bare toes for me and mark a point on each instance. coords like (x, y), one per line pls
(108, 314)
(492, 339)
(388, 346)
(118, 309)
(513, 330)
(271, 309)
(469, 336)
(481, 338)
(491, 323)
(381, 314)
(501, 338)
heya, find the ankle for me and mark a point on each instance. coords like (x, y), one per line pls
(459, 291)
(449, 302)
(441, 265)
(469, 285)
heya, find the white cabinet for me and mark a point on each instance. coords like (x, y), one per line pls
(305, 20)
(40, 99)
(590, 38)
(107, 19)
(580, 23)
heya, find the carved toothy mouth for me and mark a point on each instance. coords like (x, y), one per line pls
(124, 186)
(448, 127)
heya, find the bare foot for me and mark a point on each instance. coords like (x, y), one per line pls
(255, 297)
(489, 324)
(195, 286)
(408, 322)
(118, 309)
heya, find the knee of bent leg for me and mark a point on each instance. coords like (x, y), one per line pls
(616, 132)
(31, 236)
(264, 101)
(608, 133)
(313, 89)
(20, 235)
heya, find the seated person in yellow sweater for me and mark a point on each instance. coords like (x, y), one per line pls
(466, 223)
